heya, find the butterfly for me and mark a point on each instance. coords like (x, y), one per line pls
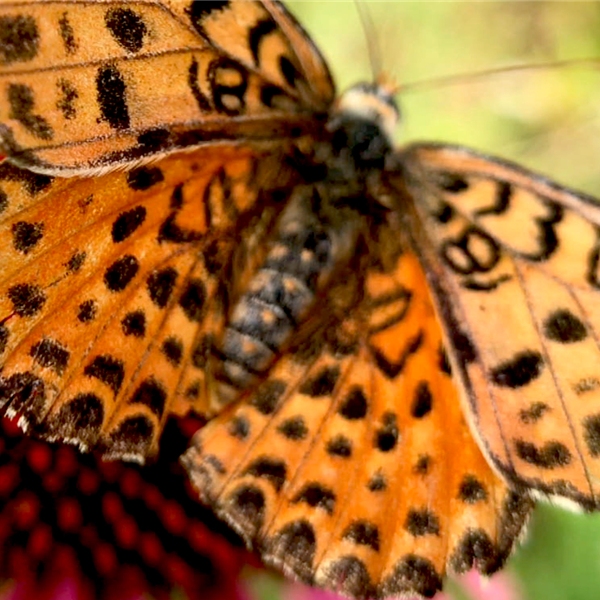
(397, 347)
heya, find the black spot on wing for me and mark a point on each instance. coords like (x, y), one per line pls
(354, 406)
(423, 465)
(127, 222)
(472, 490)
(19, 38)
(228, 91)
(150, 393)
(118, 276)
(450, 182)
(198, 11)
(412, 574)
(295, 544)
(349, 576)
(239, 427)
(247, 502)
(391, 369)
(273, 470)
(267, 396)
(50, 354)
(21, 99)
(422, 401)
(534, 413)
(81, 417)
(256, 34)
(160, 285)
(67, 34)
(321, 384)
(201, 99)
(422, 522)
(339, 446)
(386, 436)
(144, 178)
(547, 238)
(377, 483)
(192, 299)
(132, 436)
(201, 351)
(172, 348)
(363, 533)
(444, 361)
(502, 200)
(26, 235)
(127, 27)
(76, 262)
(134, 323)
(27, 299)
(289, 71)
(549, 456)
(177, 197)
(111, 91)
(88, 310)
(476, 550)
(107, 369)
(68, 94)
(519, 371)
(293, 428)
(316, 495)
(4, 335)
(153, 140)
(171, 231)
(564, 327)
(591, 433)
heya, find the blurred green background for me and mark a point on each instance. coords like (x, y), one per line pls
(546, 119)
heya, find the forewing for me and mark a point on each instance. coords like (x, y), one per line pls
(352, 466)
(110, 288)
(512, 260)
(88, 86)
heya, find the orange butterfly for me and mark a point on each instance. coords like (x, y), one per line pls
(191, 222)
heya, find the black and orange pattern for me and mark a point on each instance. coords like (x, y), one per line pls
(383, 336)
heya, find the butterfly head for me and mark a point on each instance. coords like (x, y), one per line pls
(364, 119)
(373, 102)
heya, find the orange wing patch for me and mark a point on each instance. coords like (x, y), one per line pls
(338, 467)
(99, 342)
(518, 256)
(88, 87)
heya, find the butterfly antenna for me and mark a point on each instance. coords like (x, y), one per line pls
(373, 48)
(474, 76)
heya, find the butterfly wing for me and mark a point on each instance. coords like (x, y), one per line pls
(86, 87)
(111, 286)
(513, 260)
(352, 466)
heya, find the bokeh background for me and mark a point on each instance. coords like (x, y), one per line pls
(545, 119)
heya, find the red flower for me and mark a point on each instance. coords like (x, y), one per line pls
(73, 526)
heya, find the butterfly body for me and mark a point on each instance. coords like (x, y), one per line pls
(314, 240)
(266, 257)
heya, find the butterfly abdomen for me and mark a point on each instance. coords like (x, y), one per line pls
(302, 255)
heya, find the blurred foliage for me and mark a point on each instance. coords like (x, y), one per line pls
(547, 119)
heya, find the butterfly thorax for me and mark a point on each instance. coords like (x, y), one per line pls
(316, 237)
